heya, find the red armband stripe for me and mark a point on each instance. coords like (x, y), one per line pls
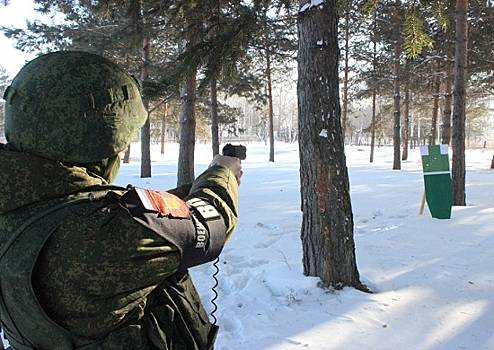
(164, 203)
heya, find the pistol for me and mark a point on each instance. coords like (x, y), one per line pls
(237, 151)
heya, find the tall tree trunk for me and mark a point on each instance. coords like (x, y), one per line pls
(458, 141)
(373, 125)
(327, 229)
(215, 137)
(419, 130)
(146, 129)
(270, 106)
(468, 134)
(492, 163)
(396, 83)
(346, 71)
(448, 96)
(126, 159)
(436, 89)
(163, 128)
(374, 88)
(187, 130)
(406, 121)
(191, 37)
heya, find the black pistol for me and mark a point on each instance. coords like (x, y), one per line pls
(239, 151)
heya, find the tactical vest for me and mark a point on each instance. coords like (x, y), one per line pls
(25, 323)
(174, 319)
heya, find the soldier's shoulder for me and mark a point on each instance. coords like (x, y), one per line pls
(142, 201)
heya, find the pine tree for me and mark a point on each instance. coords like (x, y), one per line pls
(458, 141)
(277, 44)
(327, 229)
(406, 119)
(396, 83)
(350, 26)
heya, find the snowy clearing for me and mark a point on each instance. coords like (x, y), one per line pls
(433, 279)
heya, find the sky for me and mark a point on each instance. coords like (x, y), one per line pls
(15, 14)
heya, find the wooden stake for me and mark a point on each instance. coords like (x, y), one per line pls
(422, 204)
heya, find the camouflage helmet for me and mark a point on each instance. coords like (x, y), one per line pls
(74, 107)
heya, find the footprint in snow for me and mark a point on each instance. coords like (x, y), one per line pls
(267, 226)
(231, 324)
(240, 262)
(377, 213)
(266, 244)
(385, 228)
(240, 282)
(233, 284)
(401, 216)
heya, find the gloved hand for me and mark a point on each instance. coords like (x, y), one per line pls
(232, 163)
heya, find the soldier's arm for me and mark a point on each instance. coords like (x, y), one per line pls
(181, 191)
(198, 228)
(218, 186)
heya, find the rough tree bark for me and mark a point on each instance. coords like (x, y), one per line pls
(458, 141)
(215, 137)
(346, 71)
(146, 129)
(406, 121)
(396, 84)
(448, 96)
(213, 84)
(373, 125)
(270, 106)
(374, 93)
(187, 130)
(436, 89)
(327, 223)
(126, 158)
(163, 128)
(191, 37)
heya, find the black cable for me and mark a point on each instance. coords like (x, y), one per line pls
(239, 152)
(216, 272)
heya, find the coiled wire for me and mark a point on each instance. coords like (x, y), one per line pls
(215, 297)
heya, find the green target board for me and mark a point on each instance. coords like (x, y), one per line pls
(437, 180)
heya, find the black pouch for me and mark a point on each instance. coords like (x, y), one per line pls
(177, 318)
(128, 337)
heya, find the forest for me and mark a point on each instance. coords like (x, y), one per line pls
(323, 73)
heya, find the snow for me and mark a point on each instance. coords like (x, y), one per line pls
(433, 279)
(311, 4)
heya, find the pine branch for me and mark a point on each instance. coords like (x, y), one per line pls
(416, 39)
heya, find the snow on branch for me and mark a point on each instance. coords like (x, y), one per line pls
(311, 4)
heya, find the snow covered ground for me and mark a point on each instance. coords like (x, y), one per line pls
(433, 279)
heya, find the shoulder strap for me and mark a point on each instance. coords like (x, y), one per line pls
(35, 218)
(24, 321)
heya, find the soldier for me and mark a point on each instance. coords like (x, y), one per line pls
(85, 264)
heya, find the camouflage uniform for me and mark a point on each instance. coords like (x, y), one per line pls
(112, 272)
